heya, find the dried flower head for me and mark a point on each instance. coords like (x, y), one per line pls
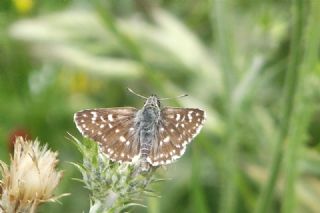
(30, 179)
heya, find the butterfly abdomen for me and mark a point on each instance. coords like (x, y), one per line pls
(146, 139)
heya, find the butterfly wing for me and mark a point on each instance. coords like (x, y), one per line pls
(177, 128)
(112, 128)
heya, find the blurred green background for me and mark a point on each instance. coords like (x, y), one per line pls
(252, 65)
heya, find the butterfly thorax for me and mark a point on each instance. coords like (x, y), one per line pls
(149, 115)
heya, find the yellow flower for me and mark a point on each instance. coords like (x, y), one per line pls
(23, 6)
(81, 82)
(30, 179)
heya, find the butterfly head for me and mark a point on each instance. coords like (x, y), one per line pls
(152, 102)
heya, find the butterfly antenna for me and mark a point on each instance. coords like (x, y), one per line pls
(133, 92)
(180, 96)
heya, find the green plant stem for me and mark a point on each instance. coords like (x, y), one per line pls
(220, 21)
(296, 138)
(289, 91)
(304, 108)
(153, 205)
(198, 196)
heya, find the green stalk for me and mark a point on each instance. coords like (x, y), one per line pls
(220, 22)
(304, 111)
(289, 91)
(299, 128)
(198, 196)
(153, 205)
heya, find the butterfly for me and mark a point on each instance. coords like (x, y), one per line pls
(152, 135)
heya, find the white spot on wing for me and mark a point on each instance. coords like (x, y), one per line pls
(103, 120)
(166, 140)
(94, 116)
(190, 116)
(110, 118)
(122, 139)
(182, 151)
(177, 117)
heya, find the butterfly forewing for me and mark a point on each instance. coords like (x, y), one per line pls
(177, 127)
(112, 128)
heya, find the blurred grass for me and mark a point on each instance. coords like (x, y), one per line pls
(220, 15)
(304, 106)
(233, 58)
(292, 80)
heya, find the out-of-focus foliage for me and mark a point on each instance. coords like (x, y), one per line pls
(253, 66)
